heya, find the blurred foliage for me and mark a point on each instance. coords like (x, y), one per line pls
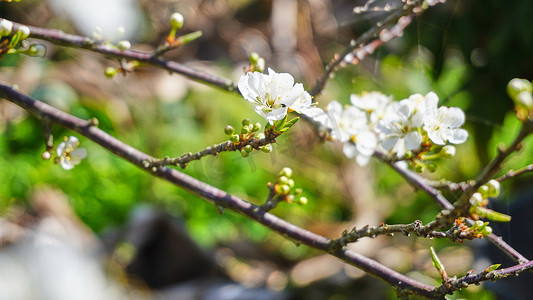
(465, 51)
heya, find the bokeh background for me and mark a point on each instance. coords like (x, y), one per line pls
(144, 229)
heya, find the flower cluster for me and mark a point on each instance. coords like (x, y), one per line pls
(373, 121)
(276, 94)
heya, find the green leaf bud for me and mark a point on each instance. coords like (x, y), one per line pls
(176, 20)
(484, 191)
(291, 183)
(228, 130)
(235, 138)
(431, 167)
(286, 172)
(253, 57)
(245, 129)
(486, 231)
(419, 168)
(494, 188)
(110, 72)
(37, 50)
(283, 180)
(282, 189)
(302, 200)
(266, 148)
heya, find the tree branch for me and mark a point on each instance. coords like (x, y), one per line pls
(218, 197)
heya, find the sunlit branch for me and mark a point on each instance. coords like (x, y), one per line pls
(218, 197)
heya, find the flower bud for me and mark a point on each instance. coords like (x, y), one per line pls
(260, 65)
(248, 148)
(486, 231)
(46, 155)
(525, 99)
(484, 191)
(493, 188)
(266, 148)
(516, 86)
(302, 201)
(228, 130)
(245, 129)
(431, 167)
(37, 50)
(123, 45)
(110, 72)
(260, 135)
(253, 57)
(235, 138)
(245, 122)
(447, 151)
(5, 27)
(244, 153)
(298, 191)
(176, 20)
(286, 172)
(283, 180)
(256, 127)
(282, 189)
(24, 32)
(477, 199)
(291, 183)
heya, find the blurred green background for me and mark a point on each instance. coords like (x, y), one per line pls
(465, 51)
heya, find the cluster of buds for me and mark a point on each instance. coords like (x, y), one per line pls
(480, 199)
(12, 41)
(257, 63)
(520, 91)
(284, 188)
(248, 131)
(425, 158)
(125, 67)
(478, 230)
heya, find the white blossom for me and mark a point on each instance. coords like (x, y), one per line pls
(351, 127)
(399, 128)
(373, 103)
(272, 94)
(69, 154)
(442, 124)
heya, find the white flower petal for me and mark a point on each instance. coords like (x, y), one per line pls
(413, 140)
(458, 136)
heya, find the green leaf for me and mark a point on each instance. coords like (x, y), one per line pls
(492, 268)
(492, 215)
(291, 122)
(436, 261)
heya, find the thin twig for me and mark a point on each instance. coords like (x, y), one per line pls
(61, 38)
(420, 183)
